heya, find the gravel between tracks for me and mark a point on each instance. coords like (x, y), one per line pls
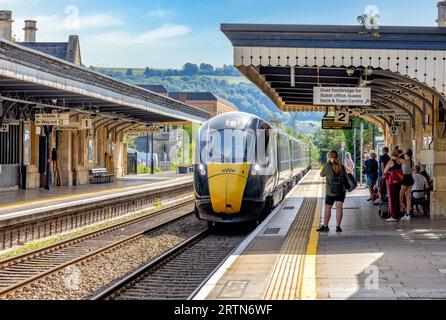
(88, 277)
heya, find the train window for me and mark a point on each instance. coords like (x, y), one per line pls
(230, 146)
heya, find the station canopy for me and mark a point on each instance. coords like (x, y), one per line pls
(404, 67)
(29, 79)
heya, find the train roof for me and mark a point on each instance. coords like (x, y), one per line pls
(243, 118)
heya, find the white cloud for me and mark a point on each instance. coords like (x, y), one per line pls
(160, 13)
(148, 38)
(98, 21)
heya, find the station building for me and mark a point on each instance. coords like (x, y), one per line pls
(206, 101)
(48, 79)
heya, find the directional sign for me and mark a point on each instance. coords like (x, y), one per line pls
(342, 96)
(330, 124)
(382, 112)
(402, 118)
(86, 123)
(4, 128)
(394, 131)
(52, 119)
(342, 117)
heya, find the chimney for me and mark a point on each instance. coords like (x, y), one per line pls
(30, 30)
(441, 14)
(183, 97)
(6, 25)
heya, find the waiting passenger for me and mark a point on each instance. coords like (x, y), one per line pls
(371, 171)
(424, 173)
(335, 176)
(406, 185)
(420, 184)
(394, 177)
(348, 164)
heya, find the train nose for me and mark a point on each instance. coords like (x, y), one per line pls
(227, 184)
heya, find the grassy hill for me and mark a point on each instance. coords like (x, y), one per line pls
(226, 83)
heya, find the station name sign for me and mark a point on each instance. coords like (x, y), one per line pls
(331, 124)
(342, 96)
(52, 119)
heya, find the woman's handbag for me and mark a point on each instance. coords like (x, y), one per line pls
(396, 176)
(350, 183)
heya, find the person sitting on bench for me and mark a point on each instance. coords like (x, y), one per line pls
(420, 184)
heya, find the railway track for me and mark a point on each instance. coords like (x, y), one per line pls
(178, 273)
(20, 271)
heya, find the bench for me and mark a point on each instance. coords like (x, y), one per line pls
(424, 201)
(100, 175)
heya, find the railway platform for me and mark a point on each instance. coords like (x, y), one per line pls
(29, 214)
(286, 259)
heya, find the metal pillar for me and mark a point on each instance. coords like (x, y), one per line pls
(48, 130)
(354, 151)
(362, 153)
(152, 164)
(147, 149)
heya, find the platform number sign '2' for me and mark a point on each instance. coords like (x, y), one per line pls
(342, 116)
(393, 130)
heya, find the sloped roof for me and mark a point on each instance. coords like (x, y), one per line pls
(69, 51)
(194, 96)
(158, 88)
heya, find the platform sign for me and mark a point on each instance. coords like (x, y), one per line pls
(379, 112)
(342, 116)
(86, 124)
(52, 119)
(4, 128)
(402, 118)
(394, 131)
(330, 124)
(342, 96)
(73, 126)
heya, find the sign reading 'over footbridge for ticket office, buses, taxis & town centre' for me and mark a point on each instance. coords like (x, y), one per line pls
(342, 96)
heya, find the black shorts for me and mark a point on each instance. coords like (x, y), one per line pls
(408, 180)
(330, 200)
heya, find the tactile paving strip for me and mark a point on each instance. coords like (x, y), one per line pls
(287, 277)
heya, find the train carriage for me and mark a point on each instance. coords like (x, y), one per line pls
(244, 167)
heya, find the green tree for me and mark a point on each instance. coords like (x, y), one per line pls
(190, 69)
(206, 68)
(129, 72)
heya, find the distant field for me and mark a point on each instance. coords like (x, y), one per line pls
(140, 71)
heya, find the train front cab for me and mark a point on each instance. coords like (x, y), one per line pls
(231, 188)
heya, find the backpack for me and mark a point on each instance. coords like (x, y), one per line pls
(337, 182)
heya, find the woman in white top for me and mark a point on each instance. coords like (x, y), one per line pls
(348, 163)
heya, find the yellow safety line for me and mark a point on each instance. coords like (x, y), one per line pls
(82, 194)
(309, 276)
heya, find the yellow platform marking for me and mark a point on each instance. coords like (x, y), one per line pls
(82, 194)
(309, 279)
(287, 279)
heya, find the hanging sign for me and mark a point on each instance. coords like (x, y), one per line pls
(330, 124)
(342, 116)
(52, 119)
(402, 118)
(4, 128)
(342, 96)
(394, 131)
(86, 123)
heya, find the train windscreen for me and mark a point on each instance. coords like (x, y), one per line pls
(227, 146)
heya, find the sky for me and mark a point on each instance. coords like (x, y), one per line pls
(169, 33)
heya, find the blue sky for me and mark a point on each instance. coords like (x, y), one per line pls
(169, 33)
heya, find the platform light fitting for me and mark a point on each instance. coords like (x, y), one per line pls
(350, 71)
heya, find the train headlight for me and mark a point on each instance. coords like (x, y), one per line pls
(255, 170)
(202, 170)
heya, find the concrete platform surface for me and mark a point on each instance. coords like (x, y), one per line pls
(286, 259)
(12, 202)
